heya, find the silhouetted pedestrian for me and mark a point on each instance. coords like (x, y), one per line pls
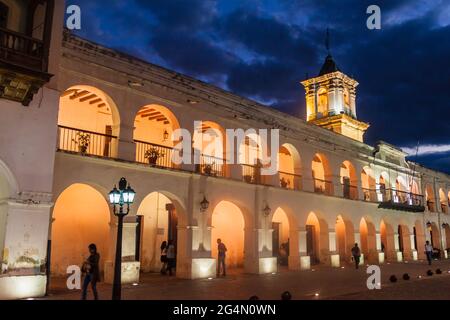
(429, 252)
(164, 257)
(222, 255)
(356, 253)
(92, 272)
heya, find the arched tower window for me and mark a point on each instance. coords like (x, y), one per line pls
(346, 98)
(322, 101)
(4, 11)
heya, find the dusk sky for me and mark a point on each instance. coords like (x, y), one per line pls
(263, 49)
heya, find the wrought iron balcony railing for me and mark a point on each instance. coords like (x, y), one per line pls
(323, 187)
(290, 181)
(370, 195)
(154, 154)
(401, 200)
(211, 166)
(86, 142)
(350, 192)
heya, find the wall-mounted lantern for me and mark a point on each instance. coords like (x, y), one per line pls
(204, 205)
(165, 135)
(267, 211)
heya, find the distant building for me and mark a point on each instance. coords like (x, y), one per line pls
(76, 117)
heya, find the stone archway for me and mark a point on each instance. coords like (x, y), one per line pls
(228, 225)
(81, 216)
(368, 240)
(317, 239)
(345, 236)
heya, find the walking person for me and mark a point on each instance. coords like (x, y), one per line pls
(164, 257)
(429, 252)
(222, 254)
(356, 253)
(92, 272)
(171, 256)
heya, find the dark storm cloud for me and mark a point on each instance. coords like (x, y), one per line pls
(263, 49)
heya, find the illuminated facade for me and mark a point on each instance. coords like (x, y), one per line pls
(110, 116)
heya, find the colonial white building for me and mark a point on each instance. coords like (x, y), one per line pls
(76, 117)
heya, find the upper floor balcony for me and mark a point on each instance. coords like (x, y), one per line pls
(25, 34)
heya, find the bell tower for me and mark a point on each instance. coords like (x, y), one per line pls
(331, 101)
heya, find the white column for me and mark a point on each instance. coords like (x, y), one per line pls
(397, 247)
(335, 260)
(332, 241)
(305, 260)
(397, 241)
(378, 238)
(381, 255)
(413, 247)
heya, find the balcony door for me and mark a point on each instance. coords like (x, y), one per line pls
(4, 11)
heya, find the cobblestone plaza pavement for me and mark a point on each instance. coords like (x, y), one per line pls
(335, 284)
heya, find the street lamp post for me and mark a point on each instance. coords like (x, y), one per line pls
(118, 199)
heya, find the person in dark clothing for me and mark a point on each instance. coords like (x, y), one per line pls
(356, 253)
(164, 261)
(171, 257)
(92, 272)
(429, 252)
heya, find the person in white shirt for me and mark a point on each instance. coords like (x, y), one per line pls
(429, 252)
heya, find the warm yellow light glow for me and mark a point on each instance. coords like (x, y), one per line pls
(153, 209)
(82, 217)
(228, 225)
(12, 288)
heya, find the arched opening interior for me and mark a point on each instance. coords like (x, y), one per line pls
(81, 216)
(443, 201)
(416, 198)
(281, 237)
(429, 197)
(384, 188)
(419, 239)
(228, 225)
(347, 106)
(447, 238)
(314, 239)
(349, 181)
(435, 236)
(368, 239)
(158, 222)
(368, 184)
(250, 155)
(321, 174)
(210, 149)
(404, 241)
(154, 126)
(401, 191)
(345, 236)
(88, 122)
(289, 167)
